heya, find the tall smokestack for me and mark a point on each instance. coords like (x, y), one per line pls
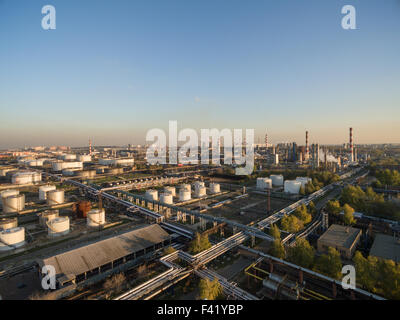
(90, 146)
(307, 148)
(266, 140)
(351, 145)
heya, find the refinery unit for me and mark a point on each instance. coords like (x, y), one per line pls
(72, 200)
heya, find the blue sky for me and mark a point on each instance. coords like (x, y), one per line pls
(114, 69)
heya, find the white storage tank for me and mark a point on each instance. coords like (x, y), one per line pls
(171, 190)
(43, 191)
(166, 198)
(151, 195)
(14, 203)
(55, 197)
(26, 177)
(198, 184)
(303, 180)
(184, 194)
(69, 157)
(96, 217)
(292, 186)
(277, 179)
(84, 157)
(215, 188)
(35, 163)
(186, 186)
(47, 216)
(8, 193)
(57, 165)
(58, 226)
(264, 183)
(200, 192)
(8, 223)
(12, 238)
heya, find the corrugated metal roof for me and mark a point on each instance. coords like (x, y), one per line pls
(83, 259)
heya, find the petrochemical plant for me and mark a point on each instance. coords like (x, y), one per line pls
(95, 212)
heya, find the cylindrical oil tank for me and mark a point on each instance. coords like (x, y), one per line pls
(12, 238)
(277, 179)
(57, 166)
(303, 180)
(47, 216)
(86, 173)
(8, 193)
(69, 157)
(22, 178)
(84, 157)
(215, 188)
(8, 223)
(186, 186)
(184, 194)
(292, 186)
(200, 192)
(151, 195)
(3, 171)
(166, 198)
(14, 203)
(58, 226)
(55, 197)
(171, 190)
(35, 163)
(43, 191)
(264, 183)
(96, 217)
(198, 184)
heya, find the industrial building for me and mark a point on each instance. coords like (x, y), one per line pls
(79, 264)
(386, 247)
(342, 238)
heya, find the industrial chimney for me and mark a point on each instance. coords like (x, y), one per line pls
(351, 145)
(307, 148)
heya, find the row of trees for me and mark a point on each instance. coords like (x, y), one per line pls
(369, 202)
(296, 221)
(378, 276)
(334, 207)
(303, 254)
(387, 178)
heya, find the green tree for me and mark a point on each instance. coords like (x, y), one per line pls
(302, 213)
(199, 243)
(348, 216)
(302, 191)
(209, 290)
(277, 249)
(291, 224)
(333, 207)
(312, 208)
(302, 253)
(275, 232)
(330, 264)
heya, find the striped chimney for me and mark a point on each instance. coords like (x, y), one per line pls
(351, 145)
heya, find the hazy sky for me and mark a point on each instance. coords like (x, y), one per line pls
(114, 69)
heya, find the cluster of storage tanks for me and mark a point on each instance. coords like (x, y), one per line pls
(11, 236)
(185, 192)
(290, 186)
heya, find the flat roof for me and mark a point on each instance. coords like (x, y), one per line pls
(340, 236)
(92, 256)
(386, 247)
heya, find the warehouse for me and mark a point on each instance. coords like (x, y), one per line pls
(386, 247)
(84, 262)
(342, 238)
